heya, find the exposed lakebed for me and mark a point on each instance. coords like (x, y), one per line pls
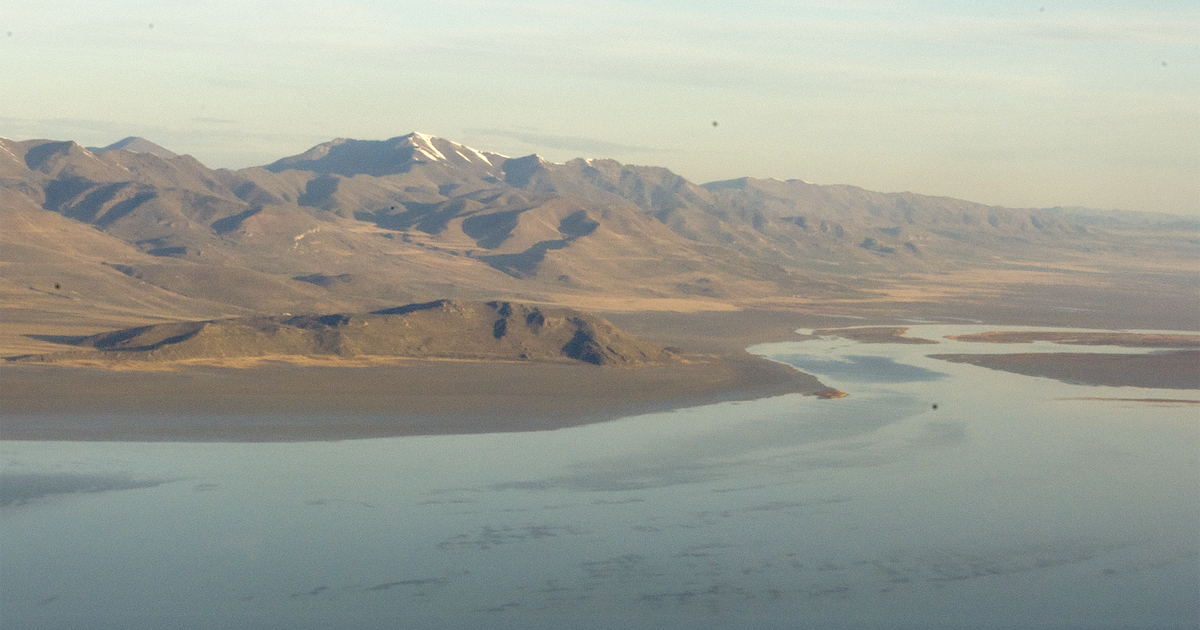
(1018, 502)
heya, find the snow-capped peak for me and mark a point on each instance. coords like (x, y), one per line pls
(424, 145)
(449, 151)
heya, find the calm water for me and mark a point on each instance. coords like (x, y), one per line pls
(1006, 507)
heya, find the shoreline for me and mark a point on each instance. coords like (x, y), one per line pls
(315, 403)
(276, 399)
(269, 400)
(1178, 369)
(1092, 338)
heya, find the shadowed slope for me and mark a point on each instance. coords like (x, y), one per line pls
(355, 225)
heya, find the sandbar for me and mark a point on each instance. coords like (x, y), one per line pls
(1165, 370)
(1098, 338)
(874, 334)
(1166, 402)
(288, 402)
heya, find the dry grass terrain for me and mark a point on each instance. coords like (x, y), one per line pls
(443, 329)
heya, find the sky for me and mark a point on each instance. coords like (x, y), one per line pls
(1022, 103)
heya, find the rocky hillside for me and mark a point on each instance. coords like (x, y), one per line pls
(445, 329)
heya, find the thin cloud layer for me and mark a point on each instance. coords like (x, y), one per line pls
(587, 147)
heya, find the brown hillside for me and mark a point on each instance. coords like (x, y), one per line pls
(444, 329)
(97, 240)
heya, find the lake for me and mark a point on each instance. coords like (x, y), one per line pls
(1014, 503)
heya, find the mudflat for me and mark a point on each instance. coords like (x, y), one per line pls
(1176, 367)
(1101, 338)
(1167, 370)
(282, 401)
(319, 397)
(269, 399)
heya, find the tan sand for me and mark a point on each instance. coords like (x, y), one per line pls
(718, 331)
(1168, 370)
(1163, 402)
(1099, 338)
(290, 402)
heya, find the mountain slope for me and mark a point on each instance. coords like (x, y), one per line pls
(354, 225)
(398, 155)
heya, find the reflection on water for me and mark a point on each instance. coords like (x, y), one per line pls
(18, 488)
(1005, 507)
(861, 369)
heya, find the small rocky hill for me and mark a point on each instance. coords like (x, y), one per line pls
(445, 329)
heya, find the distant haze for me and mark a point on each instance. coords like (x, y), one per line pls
(1027, 104)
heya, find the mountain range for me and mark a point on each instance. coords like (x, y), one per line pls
(134, 231)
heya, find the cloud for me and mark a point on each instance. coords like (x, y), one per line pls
(82, 130)
(1094, 26)
(592, 146)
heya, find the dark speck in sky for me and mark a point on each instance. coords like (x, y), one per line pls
(1164, 64)
(714, 123)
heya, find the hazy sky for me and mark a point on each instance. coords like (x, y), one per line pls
(1020, 103)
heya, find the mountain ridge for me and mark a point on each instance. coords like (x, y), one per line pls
(135, 144)
(354, 225)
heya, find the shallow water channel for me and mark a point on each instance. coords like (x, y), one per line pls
(1014, 504)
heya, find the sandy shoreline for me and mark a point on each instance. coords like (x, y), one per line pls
(1098, 338)
(1166, 370)
(287, 402)
(1168, 402)
(278, 401)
